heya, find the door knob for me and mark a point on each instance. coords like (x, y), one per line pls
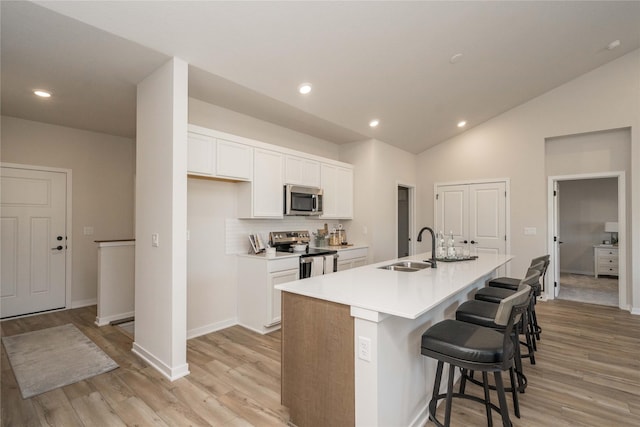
(59, 238)
(465, 241)
(473, 242)
(57, 248)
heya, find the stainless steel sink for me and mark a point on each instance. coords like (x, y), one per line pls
(408, 266)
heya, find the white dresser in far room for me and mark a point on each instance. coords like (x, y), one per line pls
(605, 259)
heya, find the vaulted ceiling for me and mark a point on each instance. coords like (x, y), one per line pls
(417, 67)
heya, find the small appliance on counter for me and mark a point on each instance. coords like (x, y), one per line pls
(313, 261)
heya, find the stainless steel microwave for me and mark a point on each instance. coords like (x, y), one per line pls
(299, 200)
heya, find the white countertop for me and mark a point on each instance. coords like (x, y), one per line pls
(398, 293)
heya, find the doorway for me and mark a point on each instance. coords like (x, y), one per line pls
(588, 260)
(404, 220)
(35, 227)
(585, 264)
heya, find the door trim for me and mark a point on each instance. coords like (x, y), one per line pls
(412, 216)
(507, 213)
(68, 222)
(623, 301)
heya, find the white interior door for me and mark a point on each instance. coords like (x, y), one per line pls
(487, 218)
(476, 214)
(33, 227)
(452, 207)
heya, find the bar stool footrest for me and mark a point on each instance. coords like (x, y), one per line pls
(434, 402)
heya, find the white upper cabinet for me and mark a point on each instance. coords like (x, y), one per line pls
(262, 198)
(301, 171)
(261, 171)
(219, 158)
(337, 183)
(233, 160)
(201, 152)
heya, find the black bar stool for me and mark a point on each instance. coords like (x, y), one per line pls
(495, 295)
(483, 313)
(512, 284)
(472, 347)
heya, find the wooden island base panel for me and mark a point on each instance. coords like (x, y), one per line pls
(317, 361)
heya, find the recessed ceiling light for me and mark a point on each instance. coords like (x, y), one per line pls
(614, 44)
(462, 124)
(455, 58)
(373, 123)
(304, 88)
(42, 93)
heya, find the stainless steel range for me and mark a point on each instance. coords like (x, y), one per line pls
(313, 261)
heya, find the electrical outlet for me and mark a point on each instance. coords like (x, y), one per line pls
(155, 240)
(364, 348)
(88, 230)
(530, 231)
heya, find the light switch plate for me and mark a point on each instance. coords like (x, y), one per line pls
(155, 240)
(364, 349)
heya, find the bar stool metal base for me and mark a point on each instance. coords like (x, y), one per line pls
(489, 407)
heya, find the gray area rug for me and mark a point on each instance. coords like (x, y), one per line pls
(55, 357)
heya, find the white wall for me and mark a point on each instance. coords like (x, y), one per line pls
(161, 208)
(379, 167)
(211, 273)
(513, 145)
(584, 206)
(103, 169)
(219, 118)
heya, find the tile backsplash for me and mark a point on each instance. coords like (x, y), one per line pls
(237, 230)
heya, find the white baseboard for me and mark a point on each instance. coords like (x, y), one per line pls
(84, 303)
(261, 331)
(172, 374)
(213, 327)
(422, 418)
(105, 320)
(635, 310)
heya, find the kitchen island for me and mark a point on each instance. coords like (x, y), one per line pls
(351, 340)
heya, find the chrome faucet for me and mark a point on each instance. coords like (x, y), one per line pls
(432, 261)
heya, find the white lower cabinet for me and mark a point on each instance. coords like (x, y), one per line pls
(352, 258)
(274, 303)
(259, 302)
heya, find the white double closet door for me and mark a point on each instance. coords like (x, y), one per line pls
(34, 246)
(475, 213)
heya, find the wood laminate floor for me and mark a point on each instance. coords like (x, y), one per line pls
(587, 374)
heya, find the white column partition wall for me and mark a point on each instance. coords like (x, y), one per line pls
(161, 212)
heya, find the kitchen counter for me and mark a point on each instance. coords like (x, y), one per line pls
(398, 293)
(351, 340)
(279, 255)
